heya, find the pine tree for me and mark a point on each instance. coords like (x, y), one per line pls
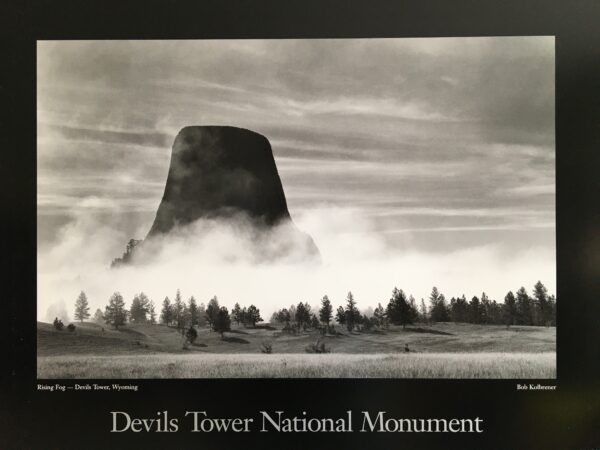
(455, 310)
(98, 316)
(201, 315)
(352, 313)
(139, 308)
(82, 309)
(222, 321)
(379, 316)
(166, 313)
(253, 315)
(544, 311)
(236, 313)
(314, 321)
(302, 315)
(283, 316)
(439, 309)
(326, 311)
(398, 308)
(178, 307)
(475, 310)
(185, 319)
(115, 313)
(423, 312)
(414, 312)
(193, 310)
(510, 309)
(485, 308)
(524, 307)
(212, 310)
(152, 312)
(340, 315)
(552, 308)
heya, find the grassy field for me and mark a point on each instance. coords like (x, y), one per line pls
(294, 365)
(443, 350)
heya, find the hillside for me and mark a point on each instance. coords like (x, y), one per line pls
(93, 339)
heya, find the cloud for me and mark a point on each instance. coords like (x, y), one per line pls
(440, 145)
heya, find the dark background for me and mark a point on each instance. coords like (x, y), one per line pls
(566, 418)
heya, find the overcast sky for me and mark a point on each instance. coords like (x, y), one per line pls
(448, 141)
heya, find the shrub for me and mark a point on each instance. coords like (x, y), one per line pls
(266, 347)
(317, 347)
(191, 335)
(289, 329)
(58, 324)
(71, 327)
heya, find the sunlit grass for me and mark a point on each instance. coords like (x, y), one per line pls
(295, 365)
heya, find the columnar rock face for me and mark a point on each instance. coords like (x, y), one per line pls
(217, 172)
(225, 173)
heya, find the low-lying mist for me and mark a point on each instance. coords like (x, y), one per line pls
(238, 264)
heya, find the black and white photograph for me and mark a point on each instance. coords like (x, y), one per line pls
(300, 225)
(297, 208)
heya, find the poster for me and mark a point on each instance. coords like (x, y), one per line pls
(299, 236)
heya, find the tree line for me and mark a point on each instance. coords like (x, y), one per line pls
(180, 314)
(518, 308)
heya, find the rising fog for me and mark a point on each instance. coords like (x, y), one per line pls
(238, 264)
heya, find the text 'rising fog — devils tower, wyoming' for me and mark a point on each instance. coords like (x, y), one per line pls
(227, 176)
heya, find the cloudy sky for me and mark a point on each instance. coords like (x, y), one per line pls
(441, 144)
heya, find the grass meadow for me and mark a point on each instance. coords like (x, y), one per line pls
(424, 365)
(442, 350)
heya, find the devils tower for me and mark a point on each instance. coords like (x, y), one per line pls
(222, 173)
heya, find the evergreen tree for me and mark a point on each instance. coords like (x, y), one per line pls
(152, 312)
(178, 310)
(475, 310)
(221, 321)
(302, 315)
(212, 311)
(379, 316)
(186, 318)
(253, 315)
(524, 307)
(115, 313)
(459, 309)
(495, 313)
(439, 309)
(340, 315)
(398, 309)
(58, 324)
(191, 335)
(414, 311)
(552, 308)
(510, 309)
(82, 309)
(201, 315)
(485, 308)
(423, 312)
(326, 311)
(98, 316)
(166, 313)
(352, 312)
(282, 316)
(314, 321)
(236, 313)
(292, 311)
(139, 308)
(542, 304)
(193, 312)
